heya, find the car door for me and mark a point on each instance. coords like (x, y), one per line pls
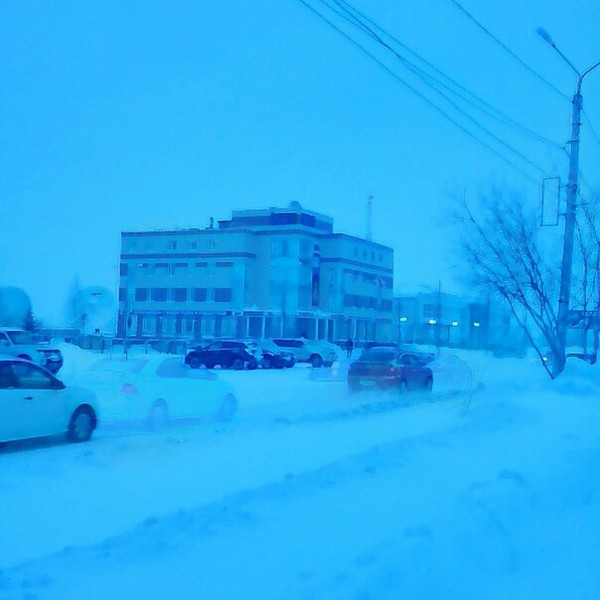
(413, 370)
(43, 407)
(12, 407)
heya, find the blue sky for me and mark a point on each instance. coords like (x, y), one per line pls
(119, 116)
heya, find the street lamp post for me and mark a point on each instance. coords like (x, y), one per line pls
(572, 186)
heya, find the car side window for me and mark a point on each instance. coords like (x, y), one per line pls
(8, 379)
(32, 378)
(406, 359)
(3, 339)
(215, 346)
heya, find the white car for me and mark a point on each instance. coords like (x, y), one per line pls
(22, 344)
(316, 352)
(34, 403)
(155, 390)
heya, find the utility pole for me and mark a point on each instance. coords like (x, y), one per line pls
(566, 267)
(370, 218)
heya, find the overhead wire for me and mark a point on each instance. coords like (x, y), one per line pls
(419, 73)
(508, 50)
(417, 92)
(477, 101)
(591, 126)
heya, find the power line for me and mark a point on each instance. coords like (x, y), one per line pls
(508, 50)
(491, 111)
(417, 93)
(594, 132)
(425, 78)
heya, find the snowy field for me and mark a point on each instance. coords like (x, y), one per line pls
(487, 488)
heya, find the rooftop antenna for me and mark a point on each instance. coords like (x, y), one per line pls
(370, 218)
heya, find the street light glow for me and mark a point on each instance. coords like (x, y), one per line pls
(476, 324)
(432, 321)
(454, 323)
(403, 319)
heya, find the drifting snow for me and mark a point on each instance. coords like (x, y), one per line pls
(485, 489)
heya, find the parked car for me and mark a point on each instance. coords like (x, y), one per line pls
(421, 356)
(34, 403)
(154, 390)
(318, 353)
(389, 368)
(228, 354)
(274, 357)
(22, 344)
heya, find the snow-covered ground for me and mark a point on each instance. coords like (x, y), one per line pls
(488, 488)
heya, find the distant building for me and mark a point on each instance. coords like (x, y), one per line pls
(262, 273)
(442, 319)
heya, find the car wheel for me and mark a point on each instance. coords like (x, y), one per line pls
(158, 417)
(194, 362)
(266, 363)
(316, 361)
(82, 424)
(252, 366)
(237, 364)
(227, 408)
(210, 365)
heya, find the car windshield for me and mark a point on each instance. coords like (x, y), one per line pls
(21, 337)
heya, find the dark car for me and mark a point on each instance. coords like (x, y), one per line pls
(227, 354)
(386, 368)
(274, 357)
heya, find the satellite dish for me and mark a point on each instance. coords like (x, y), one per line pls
(296, 205)
(95, 308)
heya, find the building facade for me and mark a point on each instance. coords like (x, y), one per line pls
(440, 319)
(262, 273)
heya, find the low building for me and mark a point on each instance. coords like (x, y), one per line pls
(262, 273)
(441, 319)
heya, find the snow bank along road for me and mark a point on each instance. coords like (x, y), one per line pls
(308, 494)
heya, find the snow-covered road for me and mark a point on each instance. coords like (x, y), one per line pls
(315, 493)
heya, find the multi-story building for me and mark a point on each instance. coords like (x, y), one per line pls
(262, 273)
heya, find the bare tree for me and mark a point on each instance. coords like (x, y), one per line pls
(502, 246)
(586, 275)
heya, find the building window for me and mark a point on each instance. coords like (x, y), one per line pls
(123, 270)
(141, 294)
(193, 245)
(223, 294)
(179, 294)
(179, 268)
(159, 294)
(161, 269)
(430, 311)
(149, 325)
(225, 264)
(122, 294)
(172, 245)
(212, 245)
(199, 294)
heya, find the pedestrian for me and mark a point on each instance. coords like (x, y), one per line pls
(349, 347)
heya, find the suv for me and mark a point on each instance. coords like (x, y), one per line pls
(227, 354)
(22, 344)
(318, 353)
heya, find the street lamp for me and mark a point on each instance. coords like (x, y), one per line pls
(567, 255)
